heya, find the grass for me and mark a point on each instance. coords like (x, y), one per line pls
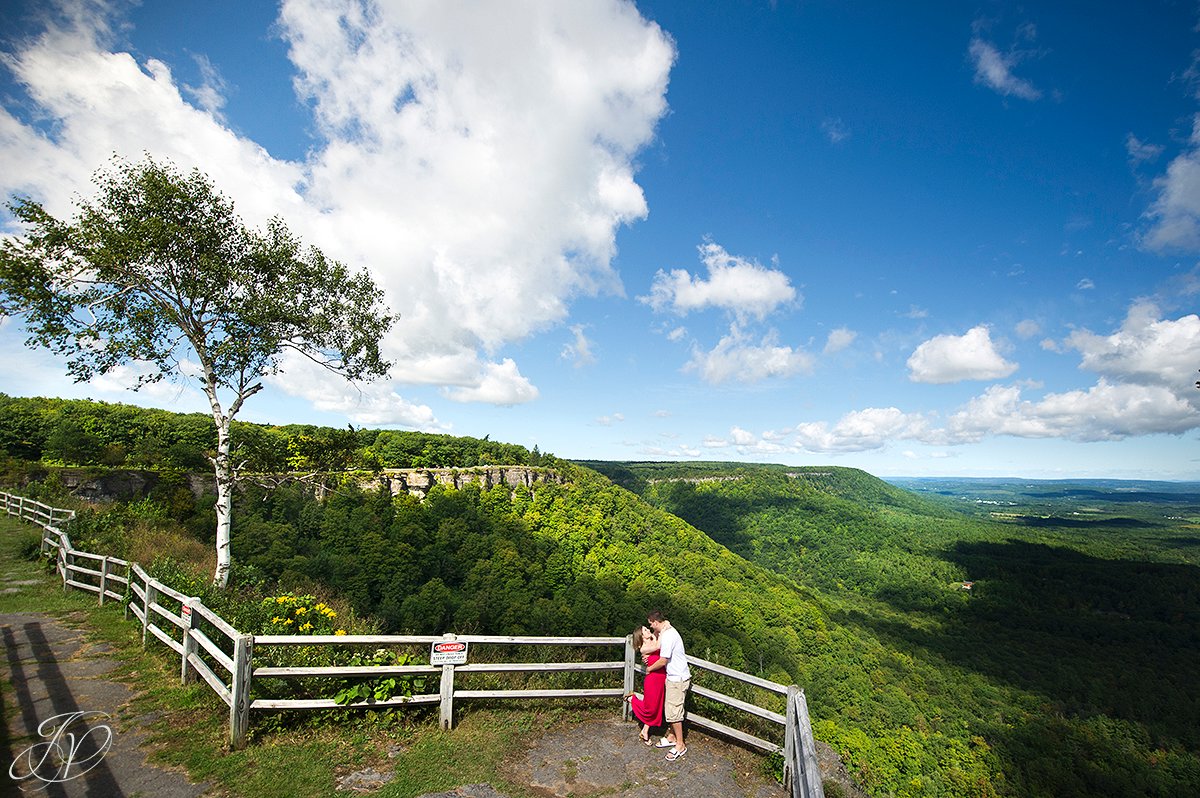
(188, 724)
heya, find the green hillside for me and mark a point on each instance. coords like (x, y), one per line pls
(1072, 656)
(1065, 670)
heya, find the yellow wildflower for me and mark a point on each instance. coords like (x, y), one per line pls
(340, 632)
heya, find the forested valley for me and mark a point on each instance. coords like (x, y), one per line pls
(943, 652)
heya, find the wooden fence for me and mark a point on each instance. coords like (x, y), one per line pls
(211, 649)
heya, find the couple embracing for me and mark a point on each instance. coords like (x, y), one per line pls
(666, 684)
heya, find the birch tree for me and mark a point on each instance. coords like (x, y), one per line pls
(158, 272)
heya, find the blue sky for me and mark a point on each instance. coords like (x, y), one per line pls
(918, 239)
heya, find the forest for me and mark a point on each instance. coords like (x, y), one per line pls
(944, 651)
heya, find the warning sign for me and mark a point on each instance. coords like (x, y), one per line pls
(448, 652)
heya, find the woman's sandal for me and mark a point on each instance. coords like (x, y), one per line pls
(646, 741)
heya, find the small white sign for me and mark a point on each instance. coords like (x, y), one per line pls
(448, 652)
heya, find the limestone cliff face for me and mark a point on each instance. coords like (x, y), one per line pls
(102, 485)
(418, 481)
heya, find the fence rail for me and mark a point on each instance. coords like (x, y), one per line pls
(223, 658)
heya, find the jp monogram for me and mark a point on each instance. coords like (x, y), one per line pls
(61, 755)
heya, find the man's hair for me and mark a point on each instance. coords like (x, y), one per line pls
(655, 616)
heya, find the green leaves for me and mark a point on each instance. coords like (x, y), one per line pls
(159, 268)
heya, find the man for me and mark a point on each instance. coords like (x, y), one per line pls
(679, 678)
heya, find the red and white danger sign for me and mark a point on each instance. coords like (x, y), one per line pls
(448, 652)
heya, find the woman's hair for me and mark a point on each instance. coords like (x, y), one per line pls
(637, 639)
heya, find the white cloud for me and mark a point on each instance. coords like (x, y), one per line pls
(995, 70)
(481, 177)
(1027, 328)
(1174, 216)
(501, 384)
(579, 350)
(742, 287)
(1139, 151)
(835, 130)
(737, 358)
(839, 339)
(1146, 350)
(210, 94)
(742, 437)
(861, 430)
(608, 421)
(1086, 284)
(1106, 411)
(953, 358)
(374, 404)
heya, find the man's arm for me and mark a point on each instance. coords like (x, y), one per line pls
(658, 664)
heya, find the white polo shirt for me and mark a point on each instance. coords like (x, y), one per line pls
(670, 645)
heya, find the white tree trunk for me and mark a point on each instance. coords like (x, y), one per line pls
(223, 470)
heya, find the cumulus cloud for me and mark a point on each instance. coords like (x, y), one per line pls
(994, 69)
(1146, 350)
(370, 403)
(1174, 216)
(1145, 386)
(481, 178)
(502, 384)
(1139, 151)
(1027, 328)
(737, 357)
(742, 287)
(861, 430)
(839, 339)
(1106, 411)
(953, 358)
(580, 349)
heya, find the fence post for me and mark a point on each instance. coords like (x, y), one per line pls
(103, 578)
(809, 774)
(127, 599)
(627, 685)
(188, 613)
(149, 599)
(446, 691)
(790, 781)
(239, 691)
(67, 561)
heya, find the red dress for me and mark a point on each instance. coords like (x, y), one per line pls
(649, 708)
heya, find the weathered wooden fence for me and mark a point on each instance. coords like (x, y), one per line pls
(211, 649)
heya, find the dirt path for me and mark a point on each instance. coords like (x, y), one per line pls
(51, 671)
(607, 758)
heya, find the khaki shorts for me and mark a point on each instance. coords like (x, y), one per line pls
(673, 701)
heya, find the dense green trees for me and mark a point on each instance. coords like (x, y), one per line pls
(84, 432)
(1067, 666)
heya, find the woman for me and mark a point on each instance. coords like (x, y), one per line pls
(648, 706)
